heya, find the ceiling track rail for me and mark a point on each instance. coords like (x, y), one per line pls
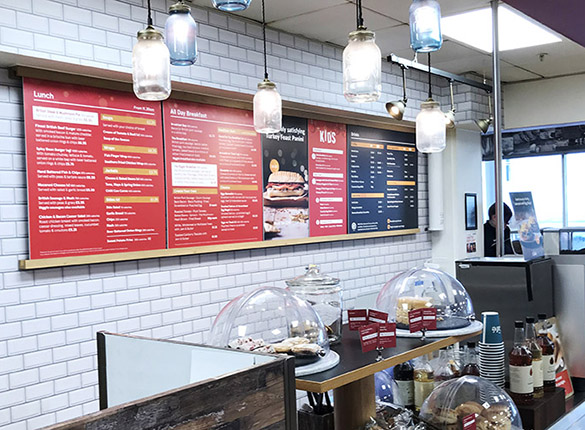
(437, 72)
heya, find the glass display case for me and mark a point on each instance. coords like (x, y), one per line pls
(455, 400)
(423, 288)
(271, 320)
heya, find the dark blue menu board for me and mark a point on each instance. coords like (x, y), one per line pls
(382, 188)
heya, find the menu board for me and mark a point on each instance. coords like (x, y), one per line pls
(327, 178)
(95, 171)
(103, 176)
(382, 189)
(214, 165)
(286, 191)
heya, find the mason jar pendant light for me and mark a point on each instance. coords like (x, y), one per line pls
(362, 64)
(151, 67)
(181, 35)
(267, 101)
(425, 26)
(231, 5)
(430, 124)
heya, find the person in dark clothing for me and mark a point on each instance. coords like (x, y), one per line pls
(489, 232)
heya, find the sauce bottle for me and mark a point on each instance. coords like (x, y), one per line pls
(423, 381)
(536, 357)
(520, 358)
(548, 353)
(471, 367)
(404, 385)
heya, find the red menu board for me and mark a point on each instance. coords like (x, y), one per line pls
(95, 171)
(327, 178)
(214, 175)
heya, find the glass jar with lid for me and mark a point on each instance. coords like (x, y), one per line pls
(324, 293)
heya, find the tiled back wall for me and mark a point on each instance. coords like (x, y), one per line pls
(48, 318)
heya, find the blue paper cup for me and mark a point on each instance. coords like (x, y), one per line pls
(492, 332)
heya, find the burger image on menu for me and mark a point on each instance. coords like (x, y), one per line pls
(286, 189)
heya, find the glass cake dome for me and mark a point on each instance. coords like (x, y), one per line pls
(271, 320)
(456, 399)
(423, 288)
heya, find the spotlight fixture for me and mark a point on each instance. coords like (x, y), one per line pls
(430, 124)
(425, 26)
(450, 116)
(231, 5)
(181, 35)
(267, 101)
(362, 64)
(484, 124)
(396, 108)
(151, 67)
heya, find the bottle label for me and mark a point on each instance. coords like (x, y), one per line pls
(422, 390)
(404, 393)
(521, 381)
(537, 373)
(548, 368)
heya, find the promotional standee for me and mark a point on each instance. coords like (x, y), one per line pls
(102, 177)
(95, 171)
(382, 189)
(214, 164)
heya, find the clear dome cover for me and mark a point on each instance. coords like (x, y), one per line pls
(456, 399)
(271, 320)
(423, 288)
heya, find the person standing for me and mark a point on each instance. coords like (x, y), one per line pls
(489, 232)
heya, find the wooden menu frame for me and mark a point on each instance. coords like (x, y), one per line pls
(98, 78)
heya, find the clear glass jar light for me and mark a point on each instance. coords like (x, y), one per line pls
(151, 67)
(430, 128)
(231, 5)
(362, 68)
(267, 108)
(181, 35)
(425, 26)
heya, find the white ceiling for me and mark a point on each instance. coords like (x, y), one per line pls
(331, 20)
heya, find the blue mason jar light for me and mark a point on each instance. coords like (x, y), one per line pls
(231, 5)
(425, 26)
(181, 35)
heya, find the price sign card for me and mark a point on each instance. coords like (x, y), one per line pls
(369, 337)
(357, 318)
(378, 317)
(469, 422)
(387, 335)
(429, 318)
(415, 320)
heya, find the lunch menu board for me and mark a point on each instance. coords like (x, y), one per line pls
(109, 173)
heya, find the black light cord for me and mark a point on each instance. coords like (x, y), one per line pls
(403, 68)
(149, 22)
(430, 91)
(359, 15)
(264, 37)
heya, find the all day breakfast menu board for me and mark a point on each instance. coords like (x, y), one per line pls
(104, 178)
(214, 175)
(95, 171)
(382, 189)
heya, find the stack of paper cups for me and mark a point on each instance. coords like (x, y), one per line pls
(491, 350)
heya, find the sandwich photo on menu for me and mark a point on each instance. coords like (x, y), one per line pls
(286, 189)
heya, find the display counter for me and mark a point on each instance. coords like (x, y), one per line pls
(353, 378)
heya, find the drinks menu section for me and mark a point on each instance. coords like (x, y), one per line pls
(101, 178)
(382, 189)
(95, 171)
(214, 181)
(327, 178)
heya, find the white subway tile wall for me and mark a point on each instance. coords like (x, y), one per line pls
(48, 318)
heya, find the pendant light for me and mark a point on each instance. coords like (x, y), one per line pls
(267, 101)
(181, 35)
(450, 116)
(151, 67)
(396, 108)
(425, 25)
(430, 124)
(362, 64)
(231, 5)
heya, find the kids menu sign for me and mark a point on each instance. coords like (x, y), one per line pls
(109, 173)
